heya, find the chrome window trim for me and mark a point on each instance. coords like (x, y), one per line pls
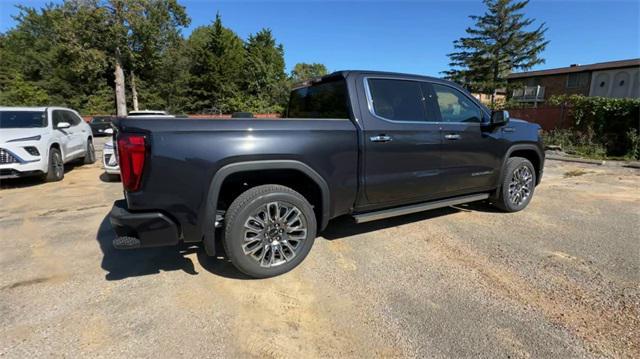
(367, 91)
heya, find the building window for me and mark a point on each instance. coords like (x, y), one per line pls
(577, 79)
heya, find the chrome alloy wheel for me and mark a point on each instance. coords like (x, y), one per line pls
(520, 185)
(274, 233)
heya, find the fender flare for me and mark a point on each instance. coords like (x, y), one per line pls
(519, 147)
(207, 219)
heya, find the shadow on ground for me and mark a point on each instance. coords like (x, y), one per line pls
(31, 181)
(106, 177)
(121, 264)
(346, 226)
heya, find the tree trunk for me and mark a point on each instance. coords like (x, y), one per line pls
(121, 100)
(134, 92)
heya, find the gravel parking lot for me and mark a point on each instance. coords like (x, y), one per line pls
(560, 279)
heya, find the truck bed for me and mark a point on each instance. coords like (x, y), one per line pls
(186, 153)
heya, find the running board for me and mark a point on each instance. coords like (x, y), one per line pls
(399, 211)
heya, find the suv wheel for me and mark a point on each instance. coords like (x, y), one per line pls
(55, 171)
(90, 154)
(518, 184)
(269, 230)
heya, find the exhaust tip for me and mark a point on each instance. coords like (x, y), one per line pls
(126, 242)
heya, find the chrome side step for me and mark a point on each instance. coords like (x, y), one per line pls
(399, 211)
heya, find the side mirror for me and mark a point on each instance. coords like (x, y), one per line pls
(109, 131)
(62, 125)
(499, 118)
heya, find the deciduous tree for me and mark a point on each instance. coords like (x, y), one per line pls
(303, 71)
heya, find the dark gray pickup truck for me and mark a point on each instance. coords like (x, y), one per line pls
(366, 144)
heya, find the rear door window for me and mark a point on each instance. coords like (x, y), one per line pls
(397, 100)
(323, 100)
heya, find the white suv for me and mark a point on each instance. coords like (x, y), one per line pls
(40, 140)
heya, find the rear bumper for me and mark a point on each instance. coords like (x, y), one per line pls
(152, 229)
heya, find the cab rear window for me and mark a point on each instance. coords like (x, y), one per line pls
(322, 100)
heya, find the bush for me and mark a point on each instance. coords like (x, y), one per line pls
(575, 143)
(633, 137)
(610, 123)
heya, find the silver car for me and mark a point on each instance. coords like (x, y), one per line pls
(109, 160)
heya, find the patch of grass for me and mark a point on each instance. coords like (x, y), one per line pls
(587, 144)
(575, 173)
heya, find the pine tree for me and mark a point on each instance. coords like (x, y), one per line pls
(265, 86)
(215, 75)
(498, 44)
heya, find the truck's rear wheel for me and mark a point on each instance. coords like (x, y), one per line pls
(518, 184)
(269, 230)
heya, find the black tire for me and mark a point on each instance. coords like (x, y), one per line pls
(254, 202)
(90, 155)
(513, 181)
(55, 170)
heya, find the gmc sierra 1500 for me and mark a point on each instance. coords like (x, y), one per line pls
(360, 143)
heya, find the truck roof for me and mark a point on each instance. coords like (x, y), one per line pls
(345, 73)
(371, 72)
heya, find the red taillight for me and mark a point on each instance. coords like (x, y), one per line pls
(131, 155)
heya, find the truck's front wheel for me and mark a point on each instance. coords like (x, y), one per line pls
(518, 184)
(269, 230)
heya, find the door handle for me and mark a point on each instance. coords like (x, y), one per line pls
(380, 138)
(452, 136)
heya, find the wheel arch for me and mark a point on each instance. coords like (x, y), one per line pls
(207, 219)
(57, 146)
(529, 151)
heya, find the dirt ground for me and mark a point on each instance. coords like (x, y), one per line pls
(559, 279)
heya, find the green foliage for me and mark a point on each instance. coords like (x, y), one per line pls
(65, 54)
(100, 102)
(303, 71)
(497, 44)
(265, 80)
(54, 50)
(216, 71)
(21, 93)
(575, 142)
(607, 121)
(230, 75)
(633, 136)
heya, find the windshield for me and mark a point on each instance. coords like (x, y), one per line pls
(101, 120)
(22, 119)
